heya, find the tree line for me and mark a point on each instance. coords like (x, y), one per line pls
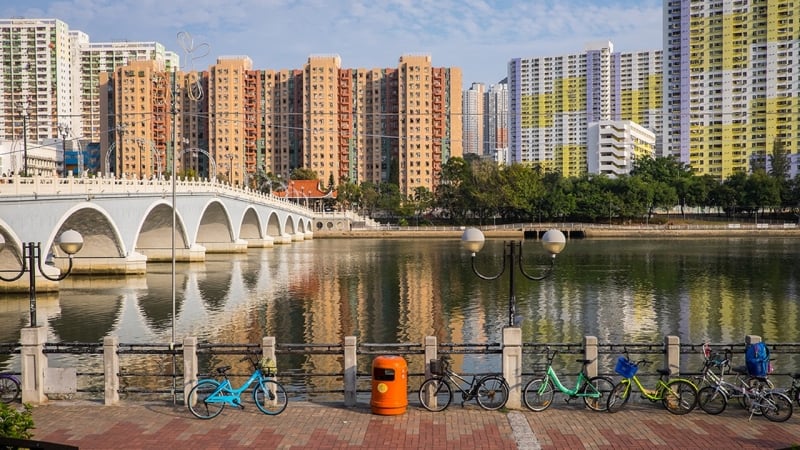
(473, 190)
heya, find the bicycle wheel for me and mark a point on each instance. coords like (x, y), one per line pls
(435, 394)
(619, 395)
(9, 390)
(492, 393)
(538, 394)
(711, 400)
(596, 392)
(776, 406)
(270, 397)
(196, 400)
(680, 397)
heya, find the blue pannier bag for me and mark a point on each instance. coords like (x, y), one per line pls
(756, 357)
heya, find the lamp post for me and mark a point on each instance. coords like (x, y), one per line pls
(70, 242)
(553, 242)
(25, 139)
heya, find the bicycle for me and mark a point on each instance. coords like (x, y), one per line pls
(678, 395)
(794, 391)
(538, 393)
(208, 398)
(10, 388)
(753, 394)
(435, 394)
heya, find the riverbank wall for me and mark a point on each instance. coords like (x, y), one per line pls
(572, 231)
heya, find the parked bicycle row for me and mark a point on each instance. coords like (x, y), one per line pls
(711, 391)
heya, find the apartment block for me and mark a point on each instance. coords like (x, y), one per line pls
(473, 122)
(730, 85)
(136, 133)
(35, 75)
(552, 101)
(495, 122)
(614, 146)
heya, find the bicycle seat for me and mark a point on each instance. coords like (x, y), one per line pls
(223, 369)
(741, 370)
(583, 361)
(664, 372)
(796, 375)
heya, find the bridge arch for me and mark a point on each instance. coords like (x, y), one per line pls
(215, 230)
(154, 236)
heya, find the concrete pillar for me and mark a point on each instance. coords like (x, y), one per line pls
(672, 354)
(111, 369)
(752, 339)
(350, 371)
(431, 353)
(590, 353)
(268, 348)
(512, 365)
(34, 365)
(190, 366)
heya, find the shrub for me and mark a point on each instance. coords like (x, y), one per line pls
(16, 423)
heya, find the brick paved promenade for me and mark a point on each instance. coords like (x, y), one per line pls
(306, 425)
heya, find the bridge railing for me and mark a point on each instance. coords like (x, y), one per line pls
(89, 187)
(116, 370)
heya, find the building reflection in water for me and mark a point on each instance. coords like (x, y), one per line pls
(388, 291)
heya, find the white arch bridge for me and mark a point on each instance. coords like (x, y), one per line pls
(125, 222)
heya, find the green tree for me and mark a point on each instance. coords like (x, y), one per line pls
(304, 173)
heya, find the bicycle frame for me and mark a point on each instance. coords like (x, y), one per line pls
(457, 380)
(653, 395)
(225, 393)
(576, 392)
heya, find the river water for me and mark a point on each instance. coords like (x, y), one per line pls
(387, 290)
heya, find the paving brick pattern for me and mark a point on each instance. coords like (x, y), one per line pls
(306, 425)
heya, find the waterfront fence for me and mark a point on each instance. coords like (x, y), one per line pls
(113, 371)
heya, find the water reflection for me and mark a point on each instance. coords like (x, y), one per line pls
(403, 290)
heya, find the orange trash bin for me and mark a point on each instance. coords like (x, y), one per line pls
(389, 385)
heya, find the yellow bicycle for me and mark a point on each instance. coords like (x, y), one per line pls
(678, 395)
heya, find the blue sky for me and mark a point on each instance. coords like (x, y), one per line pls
(480, 36)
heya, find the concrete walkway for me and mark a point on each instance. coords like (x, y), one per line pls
(306, 425)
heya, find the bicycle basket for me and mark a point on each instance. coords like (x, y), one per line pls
(625, 367)
(267, 366)
(436, 367)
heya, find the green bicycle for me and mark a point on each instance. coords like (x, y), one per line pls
(678, 395)
(538, 393)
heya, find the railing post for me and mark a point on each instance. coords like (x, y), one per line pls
(190, 368)
(431, 353)
(350, 371)
(590, 353)
(672, 354)
(111, 369)
(268, 349)
(512, 365)
(752, 339)
(34, 364)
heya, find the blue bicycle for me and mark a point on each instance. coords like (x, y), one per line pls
(209, 397)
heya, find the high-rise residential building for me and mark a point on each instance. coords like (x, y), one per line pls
(136, 133)
(473, 121)
(36, 79)
(495, 122)
(552, 101)
(636, 91)
(614, 146)
(233, 122)
(730, 86)
(92, 59)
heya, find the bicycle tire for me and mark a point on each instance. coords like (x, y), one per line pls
(754, 384)
(196, 400)
(538, 394)
(711, 400)
(492, 393)
(9, 389)
(776, 406)
(270, 397)
(679, 397)
(619, 395)
(435, 395)
(597, 385)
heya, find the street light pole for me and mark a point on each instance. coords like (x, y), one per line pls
(70, 242)
(25, 139)
(553, 242)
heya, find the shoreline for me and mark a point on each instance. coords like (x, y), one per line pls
(572, 231)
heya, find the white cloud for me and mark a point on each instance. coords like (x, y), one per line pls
(480, 36)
